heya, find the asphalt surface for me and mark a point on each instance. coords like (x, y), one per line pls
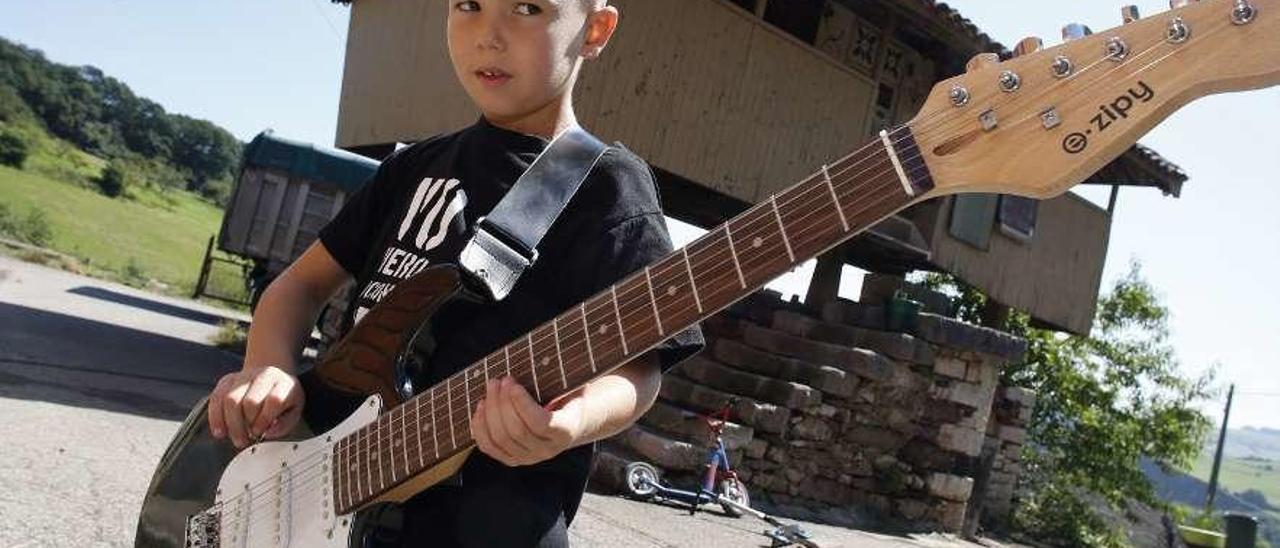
(95, 377)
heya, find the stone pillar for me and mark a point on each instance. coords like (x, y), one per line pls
(824, 286)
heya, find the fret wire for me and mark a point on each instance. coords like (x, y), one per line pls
(808, 201)
(368, 471)
(506, 352)
(533, 369)
(834, 200)
(736, 264)
(782, 229)
(466, 394)
(586, 336)
(555, 326)
(653, 300)
(417, 431)
(693, 285)
(435, 430)
(622, 336)
(404, 446)
(453, 436)
(377, 441)
(344, 489)
(356, 466)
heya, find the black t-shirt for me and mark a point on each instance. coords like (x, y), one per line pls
(419, 210)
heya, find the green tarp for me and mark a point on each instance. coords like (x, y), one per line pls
(347, 170)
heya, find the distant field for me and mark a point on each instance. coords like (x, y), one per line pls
(163, 234)
(1238, 475)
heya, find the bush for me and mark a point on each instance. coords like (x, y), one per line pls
(112, 181)
(8, 226)
(34, 229)
(231, 336)
(217, 191)
(134, 274)
(13, 149)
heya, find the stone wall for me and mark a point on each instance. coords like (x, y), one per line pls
(837, 418)
(1002, 448)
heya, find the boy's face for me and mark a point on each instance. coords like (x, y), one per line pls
(516, 58)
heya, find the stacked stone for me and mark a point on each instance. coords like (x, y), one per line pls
(837, 418)
(1006, 433)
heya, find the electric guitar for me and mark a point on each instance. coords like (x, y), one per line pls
(1033, 125)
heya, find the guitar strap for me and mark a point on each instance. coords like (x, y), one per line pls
(505, 242)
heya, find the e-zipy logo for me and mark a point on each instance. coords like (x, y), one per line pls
(1108, 114)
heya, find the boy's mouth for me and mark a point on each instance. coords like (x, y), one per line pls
(492, 76)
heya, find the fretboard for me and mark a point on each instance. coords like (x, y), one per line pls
(632, 316)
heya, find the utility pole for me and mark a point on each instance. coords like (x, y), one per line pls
(1217, 456)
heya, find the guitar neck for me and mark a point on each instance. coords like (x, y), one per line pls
(636, 314)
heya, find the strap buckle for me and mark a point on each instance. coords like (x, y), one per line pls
(494, 263)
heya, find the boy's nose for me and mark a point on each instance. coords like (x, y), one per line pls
(490, 37)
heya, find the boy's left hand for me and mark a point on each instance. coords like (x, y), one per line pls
(510, 426)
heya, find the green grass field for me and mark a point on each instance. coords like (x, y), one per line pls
(1239, 475)
(163, 235)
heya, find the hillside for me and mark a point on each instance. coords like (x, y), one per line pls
(1244, 442)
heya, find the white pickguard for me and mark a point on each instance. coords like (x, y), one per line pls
(292, 494)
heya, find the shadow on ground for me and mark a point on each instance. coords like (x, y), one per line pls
(151, 305)
(102, 365)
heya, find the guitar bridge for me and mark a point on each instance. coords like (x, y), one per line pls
(204, 530)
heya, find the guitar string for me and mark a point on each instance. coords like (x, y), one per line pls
(1120, 66)
(873, 142)
(300, 478)
(1059, 83)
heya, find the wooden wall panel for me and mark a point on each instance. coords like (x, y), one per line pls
(1056, 275)
(697, 87)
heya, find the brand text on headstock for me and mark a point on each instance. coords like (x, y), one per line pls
(1109, 113)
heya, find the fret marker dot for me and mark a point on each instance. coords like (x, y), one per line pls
(671, 290)
(352, 468)
(756, 242)
(604, 329)
(545, 360)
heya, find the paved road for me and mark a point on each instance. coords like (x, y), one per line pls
(94, 378)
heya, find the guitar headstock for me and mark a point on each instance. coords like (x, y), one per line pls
(1038, 123)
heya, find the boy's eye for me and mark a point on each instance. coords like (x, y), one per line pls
(467, 6)
(525, 8)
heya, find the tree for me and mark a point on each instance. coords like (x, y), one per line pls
(1104, 402)
(113, 180)
(13, 148)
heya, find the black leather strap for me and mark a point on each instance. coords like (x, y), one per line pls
(506, 241)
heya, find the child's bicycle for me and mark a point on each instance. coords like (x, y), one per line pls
(720, 484)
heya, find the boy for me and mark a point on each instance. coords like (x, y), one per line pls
(518, 61)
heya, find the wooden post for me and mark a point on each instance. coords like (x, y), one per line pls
(204, 270)
(1217, 455)
(824, 286)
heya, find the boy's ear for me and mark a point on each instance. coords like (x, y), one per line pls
(601, 23)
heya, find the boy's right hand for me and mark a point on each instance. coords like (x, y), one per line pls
(245, 404)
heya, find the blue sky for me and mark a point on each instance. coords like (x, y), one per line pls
(251, 65)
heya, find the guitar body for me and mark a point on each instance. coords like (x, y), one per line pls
(360, 377)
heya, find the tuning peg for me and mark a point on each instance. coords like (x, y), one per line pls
(1030, 44)
(1075, 31)
(981, 60)
(1129, 14)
